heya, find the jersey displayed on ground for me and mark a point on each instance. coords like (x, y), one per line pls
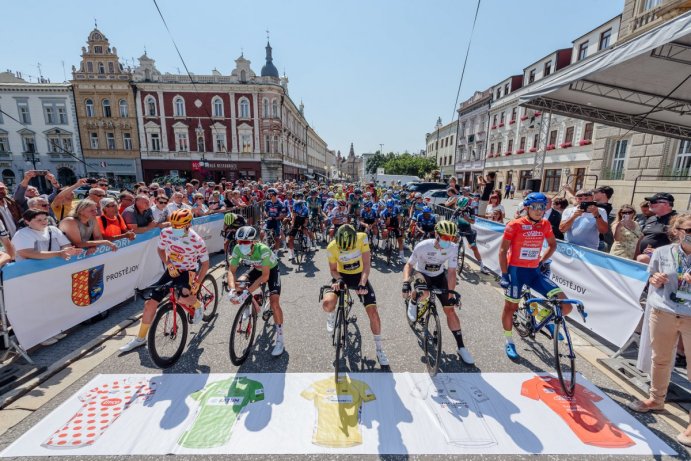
(101, 407)
(260, 256)
(338, 407)
(580, 412)
(348, 262)
(185, 253)
(220, 404)
(526, 239)
(456, 407)
(429, 260)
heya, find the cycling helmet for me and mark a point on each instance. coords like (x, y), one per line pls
(181, 218)
(341, 203)
(298, 194)
(446, 228)
(367, 204)
(272, 191)
(351, 196)
(313, 192)
(246, 233)
(358, 191)
(535, 197)
(463, 202)
(331, 194)
(229, 219)
(390, 203)
(426, 210)
(418, 195)
(346, 237)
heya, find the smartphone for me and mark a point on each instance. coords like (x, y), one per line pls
(41, 172)
(91, 181)
(584, 205)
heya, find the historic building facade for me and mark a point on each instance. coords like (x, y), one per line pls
(106, 114)
(473, 121)
(441, 145)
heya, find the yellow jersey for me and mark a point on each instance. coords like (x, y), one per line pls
(349, 262)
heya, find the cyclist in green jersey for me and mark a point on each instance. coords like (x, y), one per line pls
(464, 218)
(264, 264)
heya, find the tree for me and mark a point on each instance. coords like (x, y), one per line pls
(409, 165)
(378, 161)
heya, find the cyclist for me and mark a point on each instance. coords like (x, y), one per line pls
(521, 264)
(354, 203)
(368, 219)
(186, 260)
(338, 216)
(314, 205)
(299, 220)
(425, 222)
(464, 218)
(264, 264)
(426, 267)
(231, 223)
(349, 260)
(392, 222)
(273, 209)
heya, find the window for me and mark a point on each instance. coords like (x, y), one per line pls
(506, 89)
(23, 110)
(498, 92)
(568, 137)
(501, 119)
(499, 147)
(98, 49)
(246, 143)
(491, 148)
(267, 142)
(494, 120)
(67, 144)
(201, 144)
(93, 140)
(124, 110)
(536, 140)
(181, 141)
(4, 143)
(244, 108)
(89, 108)
(514, 113)
(101, 68)
(110, 141)
(521, 145)
(274, 108)
(618, 159)
(89, 66)
(127, 141)
(583, 51)
(29, 143)
(588, 131)
(275, 144)
(682, 164)
(220, 142)
(62, 115)
(604, 39)
(650, 4)
(218, 107)
(552, 137)
(49, 114)
(111, 68)
(265, 104)
(155, 141)
(179, 107)
(151, 106)
(548, 68)
(106, 108)
(509, 146)
(523, 178)
(531, 76)
(552, 180)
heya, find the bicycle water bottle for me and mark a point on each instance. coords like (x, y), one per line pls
(534, 309)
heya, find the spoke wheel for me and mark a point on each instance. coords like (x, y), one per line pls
(565, 358)
(242, 334)
(167, 335)
(432, 341)
(523, 320)
(461, 256)
(208, 295)
(340, 334)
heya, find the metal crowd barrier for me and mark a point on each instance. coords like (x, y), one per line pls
(443, 211)
(251, 213)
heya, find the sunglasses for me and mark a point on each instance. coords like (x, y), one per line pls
(686, 231)
(447, 238)
(628, 212)
(163, 202)
(583, 195)
(111, 205)
(245, 242)
(538, 207)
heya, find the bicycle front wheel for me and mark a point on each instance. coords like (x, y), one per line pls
(340, 333)
(461, 256)
(432, 339)
(565, 358)
(242, 334)
(208, 295)
(167, 335)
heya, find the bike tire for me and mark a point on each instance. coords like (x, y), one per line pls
(565, 360)
(339, 338)
(208, 294)
(461, 257)
(242, 331)
(168, 335)
(432, 341)
(523, 321)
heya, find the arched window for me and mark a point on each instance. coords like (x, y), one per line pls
(150, 106)
(243, 76)
(244, 108)
(106, 108)
(274, 108)
(89, 104)
(179, 107)
(218, 107)
(266, 108)
(101, 68)
(123, 108)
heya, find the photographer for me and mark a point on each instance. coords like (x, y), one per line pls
(583, 223)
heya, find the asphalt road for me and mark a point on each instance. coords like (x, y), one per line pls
(308, 345)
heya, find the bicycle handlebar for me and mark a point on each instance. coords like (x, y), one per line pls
(437, 291)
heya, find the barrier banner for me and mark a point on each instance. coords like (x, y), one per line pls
(45, 297)
(610, 287)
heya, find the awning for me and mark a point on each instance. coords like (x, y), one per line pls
(650, 74)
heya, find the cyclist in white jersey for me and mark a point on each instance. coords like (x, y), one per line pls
(426, 267)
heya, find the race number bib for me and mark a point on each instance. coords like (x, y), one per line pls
(530, 253)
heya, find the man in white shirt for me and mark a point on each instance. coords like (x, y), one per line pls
(177, 204)
(583, 223)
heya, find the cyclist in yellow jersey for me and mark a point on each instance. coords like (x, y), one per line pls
(350, 260)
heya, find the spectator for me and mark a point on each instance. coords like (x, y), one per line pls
(82, 229)
(40, 203)
(139, 217)
(177, 203)
(95, 195)
(626, 233)
(560, 204)
(216, 202)
(25, 191)
(507, 190)
(583, 223)
(645, 213)
(669, 298)
(40, 241)
(189, 191)
(160, 209)
(126, 200)
(168, 189)
(61, 206)
(453, 198)
(495, 210)
(553, 216)
(103, 184)
(10, 213)
(199, 208)
(487, 184)
(513, 190)
(453, 182)
(110, 223)
(655, 229)
(602, 196)
(520, 209)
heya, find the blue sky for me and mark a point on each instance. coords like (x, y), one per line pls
(368, 71)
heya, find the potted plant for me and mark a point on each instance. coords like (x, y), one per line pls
(550, 147)
(524, 118)
(537, 114)
(512, 121)
(520, 151)
(565, 145)
(507, 153)
(494, 127)
(532, 149)
(584, 142)
(501, 124)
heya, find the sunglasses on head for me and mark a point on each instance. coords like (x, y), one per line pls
(447, 238)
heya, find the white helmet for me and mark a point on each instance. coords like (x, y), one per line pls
(246, 233)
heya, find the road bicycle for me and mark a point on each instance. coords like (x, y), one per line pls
(461, 251)
(168, 332)
(428, 320)
(315, 226)
(244, 327)
(300, 247)
(372, 238)
(390, 246)
(527, 325)
(339, 337)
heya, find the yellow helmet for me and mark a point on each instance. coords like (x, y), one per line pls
(446, 228)
(346, 237)
(181, 218)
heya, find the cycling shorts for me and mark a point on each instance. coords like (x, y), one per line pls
(469, 234)
(438, 281)
(274, 282)
(396, 231)
(352, 281)
(273, 224)
(300, 222)
(533, 278)
(183, 280)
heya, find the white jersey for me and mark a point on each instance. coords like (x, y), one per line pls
(429, 260)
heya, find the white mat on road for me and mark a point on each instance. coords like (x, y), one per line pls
(369, 413)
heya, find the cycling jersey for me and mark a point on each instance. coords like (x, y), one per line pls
(368, 216)
(426, 224)
(338, 216)
(184, 253)
(314, 204)
(274, 209)
(429, 260)
(349, 262)
(261, 256)
(526, 239)
(300, 209)
(464, 216)
(392, 213)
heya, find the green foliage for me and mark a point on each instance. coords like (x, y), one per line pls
(401, 164)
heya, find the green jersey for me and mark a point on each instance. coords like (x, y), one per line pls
(220, 403)
(260, 256)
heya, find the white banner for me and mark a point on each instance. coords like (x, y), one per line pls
(610, 287)
(308, 413)
(45, 297)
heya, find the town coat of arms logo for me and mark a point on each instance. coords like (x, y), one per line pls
(87, 286)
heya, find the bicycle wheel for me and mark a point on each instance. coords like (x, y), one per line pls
(340, 333)
(461, 256)
(432, 340)
(242, 334)
(523, 321)
(167, 335)
(208, 295)
(565, 358)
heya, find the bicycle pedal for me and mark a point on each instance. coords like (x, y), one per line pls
(267, 315)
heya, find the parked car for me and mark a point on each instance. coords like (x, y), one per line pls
(82, 191)
(423, 187)
(435, 196)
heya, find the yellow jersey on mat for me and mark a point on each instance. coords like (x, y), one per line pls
(349, 262)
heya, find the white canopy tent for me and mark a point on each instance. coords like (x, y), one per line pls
(642, 84)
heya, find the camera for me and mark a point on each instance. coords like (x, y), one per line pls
(91, 181)
(584, 205)
(41, 172)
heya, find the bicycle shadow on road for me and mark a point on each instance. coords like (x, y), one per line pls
(355, 360)
(392, 413)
